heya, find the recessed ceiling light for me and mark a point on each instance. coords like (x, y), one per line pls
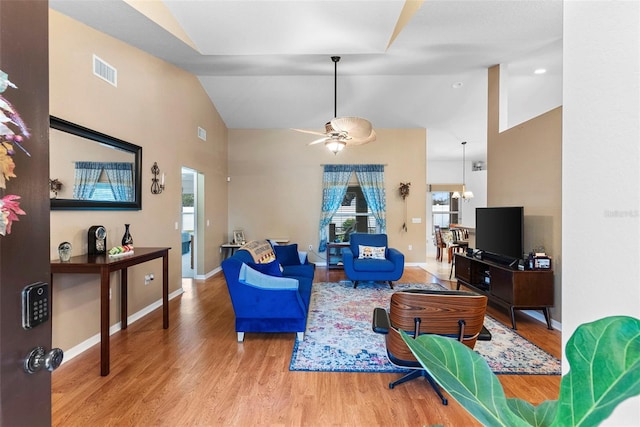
(540, 71)
(457, 85)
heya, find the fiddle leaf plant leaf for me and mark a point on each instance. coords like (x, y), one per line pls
(466, 376)
(604, 360)
(539, 416)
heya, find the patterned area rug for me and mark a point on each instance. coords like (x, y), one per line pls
(339, 337)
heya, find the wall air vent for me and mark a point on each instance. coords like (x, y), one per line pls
(105, 71)
(202, 134)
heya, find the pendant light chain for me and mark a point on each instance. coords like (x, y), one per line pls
(464, 150)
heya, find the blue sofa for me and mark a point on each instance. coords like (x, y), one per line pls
(267, 300)
(387, 269)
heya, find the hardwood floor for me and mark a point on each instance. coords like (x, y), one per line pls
(196, 374)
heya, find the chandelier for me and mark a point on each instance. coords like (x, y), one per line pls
(464, 194)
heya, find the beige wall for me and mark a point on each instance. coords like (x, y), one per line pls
(524, 168)
(276, 185)
(159, 107)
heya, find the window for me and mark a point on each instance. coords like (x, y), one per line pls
(352, 216)
(444, 209)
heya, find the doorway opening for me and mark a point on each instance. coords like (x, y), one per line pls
(189, 228)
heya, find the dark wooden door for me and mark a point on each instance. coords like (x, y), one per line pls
(25, 399)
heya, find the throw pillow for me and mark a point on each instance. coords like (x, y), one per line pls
(371, 252)
(260, 250)
(270, 268)
(287, 254)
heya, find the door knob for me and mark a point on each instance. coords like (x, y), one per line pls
(53, 359)
(39, 358)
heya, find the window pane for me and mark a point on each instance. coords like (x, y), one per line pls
(441, 198)
(444, 209)
(352, 216)
(103, 192)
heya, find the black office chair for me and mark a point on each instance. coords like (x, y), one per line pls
(456, 314)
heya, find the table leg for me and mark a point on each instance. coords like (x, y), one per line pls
(165, 290)
(123, 298)
(104, 322)
(547, 317)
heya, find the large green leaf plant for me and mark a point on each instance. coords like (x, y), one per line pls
(604, 361)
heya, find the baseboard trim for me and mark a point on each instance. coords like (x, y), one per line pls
(90, 342)
(540, 317)
(422, 265)
(209, 274)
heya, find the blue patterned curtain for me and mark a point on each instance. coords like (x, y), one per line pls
(121, 180)
(86, 177)
(371, 179)
(334, 186)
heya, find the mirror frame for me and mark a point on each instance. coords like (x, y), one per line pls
(83, 132)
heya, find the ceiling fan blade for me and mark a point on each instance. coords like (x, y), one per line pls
(356, 127)
(319, 140)
(360, 141)
(312, 132)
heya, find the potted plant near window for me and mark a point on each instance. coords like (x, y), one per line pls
(604, 360)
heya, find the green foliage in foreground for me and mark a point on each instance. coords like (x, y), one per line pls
(604, 360)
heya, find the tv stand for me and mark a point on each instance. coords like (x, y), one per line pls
(507, 286)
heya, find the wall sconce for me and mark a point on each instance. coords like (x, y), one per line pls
(155, 187)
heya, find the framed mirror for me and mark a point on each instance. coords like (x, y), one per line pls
(91, 170)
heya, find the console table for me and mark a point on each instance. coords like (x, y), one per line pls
(507, 287)
(104, 265)
(228, 249)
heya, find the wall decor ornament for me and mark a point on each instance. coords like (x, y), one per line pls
(404, 189)
(13, 132)
(404, 193)
(156, 188)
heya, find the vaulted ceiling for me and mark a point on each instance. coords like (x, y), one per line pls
(266, 64)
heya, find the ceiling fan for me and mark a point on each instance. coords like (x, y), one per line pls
(342, 131)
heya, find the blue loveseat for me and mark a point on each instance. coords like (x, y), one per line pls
(267, 298)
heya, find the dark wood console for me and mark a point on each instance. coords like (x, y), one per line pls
(507, 287)
(104, 265)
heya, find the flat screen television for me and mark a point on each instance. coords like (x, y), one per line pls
(500, 233)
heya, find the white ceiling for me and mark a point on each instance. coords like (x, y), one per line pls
(266, 64)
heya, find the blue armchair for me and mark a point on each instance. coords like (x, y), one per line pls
(369, 257)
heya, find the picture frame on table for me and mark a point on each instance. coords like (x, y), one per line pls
(238, 237)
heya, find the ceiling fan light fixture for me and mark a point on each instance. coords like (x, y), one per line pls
(335, 145)
(342, 131)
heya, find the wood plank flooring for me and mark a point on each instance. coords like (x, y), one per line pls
(196, 374)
